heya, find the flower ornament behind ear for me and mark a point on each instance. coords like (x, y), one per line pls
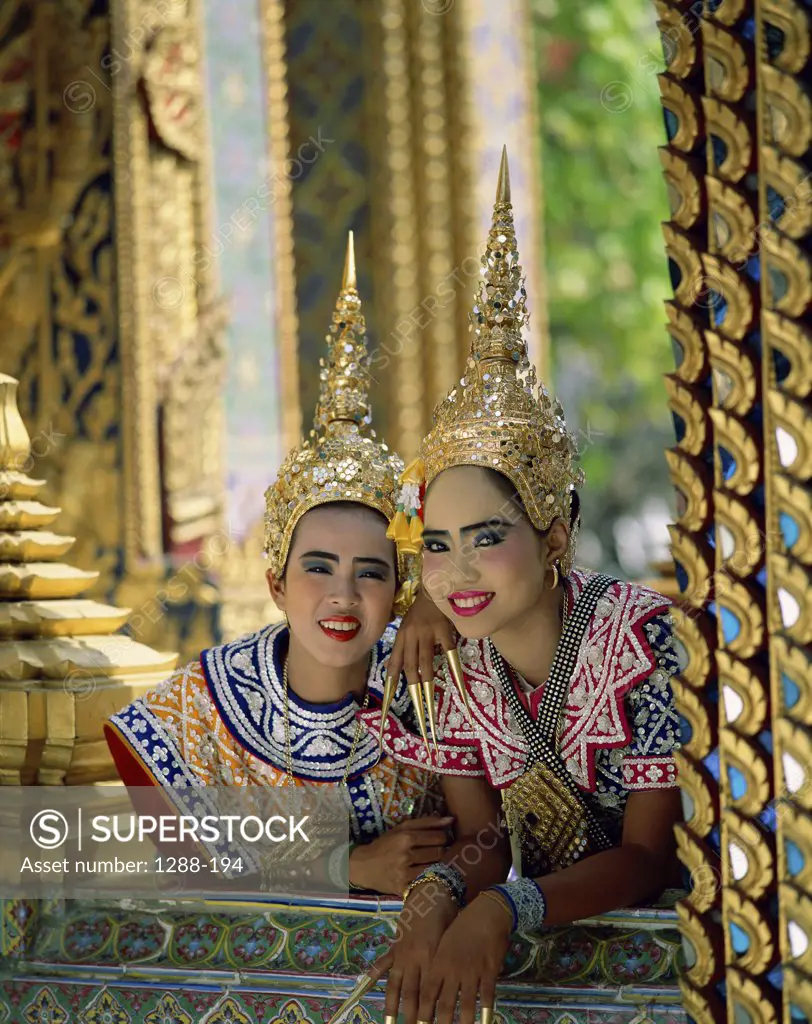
(406, 528)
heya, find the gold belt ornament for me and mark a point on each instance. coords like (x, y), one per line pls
(543, 806)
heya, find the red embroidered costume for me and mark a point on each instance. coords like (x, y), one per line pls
(620, 726)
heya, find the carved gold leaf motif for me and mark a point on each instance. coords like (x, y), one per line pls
(792, 679)
(722, 278)
(796, 829)
(697, 711)
(732, 222)
(789, 180)
(683, 106)
(742, 694)
(741, 442)
(683, 184)
(739, 540)
(741, 912)
(747, 759)
(679, 48)
(693, 482)
(792, 21)
(794, 502)
(794, 743)
(796, 931)
(681, 250)
(748, 998)
(727, 73)
(687, 333)
(696, 633)
(704, 962)
(687, 404)
(793, 592)
(747, 860)
(741, 616)
(788, 273)
(795, 343)
(695, 556)
(700, 787)
(735, 136)
(735, 368)
(791, 422)
(798, 992)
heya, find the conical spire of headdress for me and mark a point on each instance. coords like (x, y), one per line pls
(500, 311)
(344, 395)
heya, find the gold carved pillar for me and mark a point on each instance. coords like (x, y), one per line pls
(111, 317)
(738, 165)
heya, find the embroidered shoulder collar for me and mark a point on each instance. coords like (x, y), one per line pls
(244, 678)
(614, 656)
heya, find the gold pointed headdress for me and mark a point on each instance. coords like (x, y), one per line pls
(496, 417)
(342, 460)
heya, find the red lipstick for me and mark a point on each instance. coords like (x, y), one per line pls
(341, 628)
(475, 601)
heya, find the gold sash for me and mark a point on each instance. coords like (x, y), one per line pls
(540, 807)
(544, 807)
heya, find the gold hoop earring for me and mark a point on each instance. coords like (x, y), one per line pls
(554, 584)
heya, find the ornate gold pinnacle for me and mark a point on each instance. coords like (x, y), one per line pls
(344, 393)
(496, 417)
(500, 313)
(342, 460)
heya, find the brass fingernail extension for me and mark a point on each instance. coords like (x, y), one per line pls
(362, 986)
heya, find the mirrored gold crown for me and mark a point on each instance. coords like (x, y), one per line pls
(342, 460)
(496, 416)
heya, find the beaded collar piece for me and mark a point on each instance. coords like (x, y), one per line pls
(246, 682)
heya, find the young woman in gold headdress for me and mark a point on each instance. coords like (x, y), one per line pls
(290, 704)
(567, 706)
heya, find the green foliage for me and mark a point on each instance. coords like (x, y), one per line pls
(601, 124)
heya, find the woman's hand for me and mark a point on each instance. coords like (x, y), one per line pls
(468, 961)
(424, 628)
(425, 918)
(396, 858)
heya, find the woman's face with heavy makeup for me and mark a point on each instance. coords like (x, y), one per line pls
(339, 583)
(484, 564)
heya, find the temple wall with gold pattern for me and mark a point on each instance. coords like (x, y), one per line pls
(737, 165)
(411, 135)
(387, 118)
(112, 326)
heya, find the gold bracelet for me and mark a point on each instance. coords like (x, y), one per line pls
(429, 876)
(500, 900)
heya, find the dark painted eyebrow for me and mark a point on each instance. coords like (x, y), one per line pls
(320, 554)
(492, 523)
(330, 557)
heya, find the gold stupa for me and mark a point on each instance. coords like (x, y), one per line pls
(64, 668)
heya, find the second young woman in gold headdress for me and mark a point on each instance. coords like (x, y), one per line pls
(567, 706)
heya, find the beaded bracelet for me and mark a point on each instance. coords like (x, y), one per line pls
(446, 875)
(526, 902)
